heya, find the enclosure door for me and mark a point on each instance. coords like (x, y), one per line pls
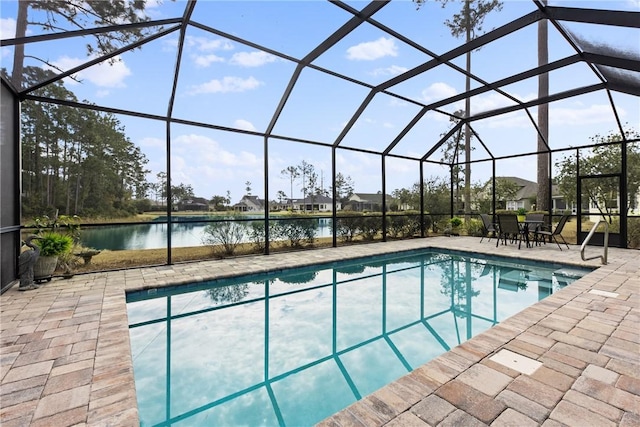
(599, 197)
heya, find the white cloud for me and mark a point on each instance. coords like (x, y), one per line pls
(7, 31)
(480, 103)
(182, 171)
(244, 125)
(7, 28)
(226, 85)
(504, 121)
(438, 91)
(395, 102)
(596, 113)
(102, 93)
(373, 123)
(102, 74)
(489, 102)
(561, 116)
(205, 44)
(200, 150)
(252, 59)
(169, 45)
(206, 60)
(393, 70)
(368, 51)
(526, 98)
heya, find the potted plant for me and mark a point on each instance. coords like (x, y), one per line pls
(452, 226)
(522, 214)
(56, 237)
(52, 245)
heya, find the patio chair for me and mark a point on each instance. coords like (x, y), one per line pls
(534, 217)
(489, 227)
(552, 235)
(509, 228)
(534, 222)
(545, 226)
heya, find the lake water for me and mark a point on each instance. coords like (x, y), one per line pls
(154, 236)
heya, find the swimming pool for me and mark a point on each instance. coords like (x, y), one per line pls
(293, 347)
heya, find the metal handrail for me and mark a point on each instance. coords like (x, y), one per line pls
(603, 257)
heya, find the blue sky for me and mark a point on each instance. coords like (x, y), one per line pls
(226, 83)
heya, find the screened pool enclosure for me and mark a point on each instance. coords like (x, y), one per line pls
(196, 129)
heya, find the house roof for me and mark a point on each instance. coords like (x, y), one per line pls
(371, 197)
(527, 188)
(249, 199)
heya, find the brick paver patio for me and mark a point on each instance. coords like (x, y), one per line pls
(65, 358)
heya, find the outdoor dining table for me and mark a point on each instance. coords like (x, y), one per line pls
(527, 226)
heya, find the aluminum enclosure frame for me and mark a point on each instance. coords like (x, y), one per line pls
(596, 60)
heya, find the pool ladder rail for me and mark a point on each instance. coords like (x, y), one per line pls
(603, 257)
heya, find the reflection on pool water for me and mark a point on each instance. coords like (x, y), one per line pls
(295, 347)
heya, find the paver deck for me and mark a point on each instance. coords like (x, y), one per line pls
(65, 357)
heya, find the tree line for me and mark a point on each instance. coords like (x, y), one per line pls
(305, 173)
(76, 161)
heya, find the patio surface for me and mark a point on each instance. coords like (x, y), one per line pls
(65, 357)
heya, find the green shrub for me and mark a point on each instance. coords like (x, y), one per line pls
(371, 227)
(633, 233)
(474, 227)
(349, 225)
(256, 235)
(225, 236)
(413, 223)
(439, 222)
(296, 230)
(406, 224)
(442, 226)
(142, 205)
(53, 244)
(521, 211)
(455, 222)
(427, 221)
(397, 225)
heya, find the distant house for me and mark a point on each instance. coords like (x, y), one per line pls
(249, 203)
(372, 202)
(526, 196)
(194, 204)
(559, 203)
(316, 203)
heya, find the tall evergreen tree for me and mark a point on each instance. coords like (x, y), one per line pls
(76, 161)
(468, 22)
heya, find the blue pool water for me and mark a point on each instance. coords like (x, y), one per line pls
(292, 348)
